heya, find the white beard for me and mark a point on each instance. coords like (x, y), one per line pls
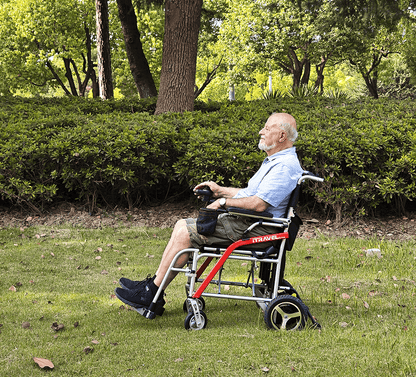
(263, 147)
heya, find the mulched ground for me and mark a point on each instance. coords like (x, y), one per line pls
(163, 216)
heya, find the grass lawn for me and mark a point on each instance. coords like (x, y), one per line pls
(67, 275)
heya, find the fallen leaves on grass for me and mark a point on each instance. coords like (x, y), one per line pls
(88, 350)
(12, 288)
(43, 363)
(57, 327)
(26, 325)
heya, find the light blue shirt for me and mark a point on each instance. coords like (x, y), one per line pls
(275, 181)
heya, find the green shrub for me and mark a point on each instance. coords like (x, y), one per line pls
(128, 156)
(117, 152)
(358, 149)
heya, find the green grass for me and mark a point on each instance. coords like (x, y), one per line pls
(58, 279)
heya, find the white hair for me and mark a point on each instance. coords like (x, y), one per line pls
(292, 133)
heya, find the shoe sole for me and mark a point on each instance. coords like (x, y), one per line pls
(158, 310)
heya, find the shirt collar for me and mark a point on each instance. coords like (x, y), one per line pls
(282, 153)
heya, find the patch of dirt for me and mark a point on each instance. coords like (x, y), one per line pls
(166, 215)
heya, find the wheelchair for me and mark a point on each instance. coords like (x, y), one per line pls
(282, 306)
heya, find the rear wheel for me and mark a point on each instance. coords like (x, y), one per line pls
(286, 313)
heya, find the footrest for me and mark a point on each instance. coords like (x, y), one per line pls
(146, 313)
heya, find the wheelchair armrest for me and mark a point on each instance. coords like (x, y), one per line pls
(249, 213)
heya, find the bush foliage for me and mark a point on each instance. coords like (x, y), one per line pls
(118, 153)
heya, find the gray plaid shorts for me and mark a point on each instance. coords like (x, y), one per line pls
(229, 229)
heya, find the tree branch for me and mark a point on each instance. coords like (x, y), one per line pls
(210, 76)
(57, 78)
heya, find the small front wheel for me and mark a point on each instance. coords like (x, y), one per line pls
(200, 301)
(286, 313)
(192, 324)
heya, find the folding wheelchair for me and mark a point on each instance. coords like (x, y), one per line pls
(280, 302)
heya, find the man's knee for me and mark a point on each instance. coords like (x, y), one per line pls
(181, 230)
(181, 223)
(180, 226)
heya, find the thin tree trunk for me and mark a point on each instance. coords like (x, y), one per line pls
(104, 50)
(68, 75)
(139, 66)
(90, 71)
(306, 72)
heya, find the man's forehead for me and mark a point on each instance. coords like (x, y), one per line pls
(273, 122)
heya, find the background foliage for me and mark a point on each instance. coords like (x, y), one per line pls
(249, 40)
(117, 153)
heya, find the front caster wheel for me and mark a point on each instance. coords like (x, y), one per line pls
(191, 322)
(200, 301)
(286, 313)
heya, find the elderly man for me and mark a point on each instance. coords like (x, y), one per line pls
(268, 190)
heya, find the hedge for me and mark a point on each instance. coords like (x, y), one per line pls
(119, 153)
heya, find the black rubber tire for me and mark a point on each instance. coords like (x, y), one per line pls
(190, 321)
(286, 313)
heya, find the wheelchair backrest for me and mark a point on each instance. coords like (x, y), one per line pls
(296, 222)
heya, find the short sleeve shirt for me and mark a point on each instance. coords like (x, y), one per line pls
(275, 181)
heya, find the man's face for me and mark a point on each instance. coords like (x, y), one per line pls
(269, 136)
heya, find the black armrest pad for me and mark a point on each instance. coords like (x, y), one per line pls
(248, 213)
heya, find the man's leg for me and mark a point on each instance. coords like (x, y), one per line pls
(145, 293)
(179, 240)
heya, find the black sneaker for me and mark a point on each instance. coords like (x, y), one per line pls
(141, 297)
(135, 284)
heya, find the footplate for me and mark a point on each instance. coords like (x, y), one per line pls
(145, 312)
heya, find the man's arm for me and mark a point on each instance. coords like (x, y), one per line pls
(252, 203)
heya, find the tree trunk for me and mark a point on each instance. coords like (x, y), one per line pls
(103, 50)
(371, 82)
(138, 63)
(306, 72)
(319, 82)
(177, 79)
(299, 69)
(68, 75)
(370, 75)
(90, 71)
